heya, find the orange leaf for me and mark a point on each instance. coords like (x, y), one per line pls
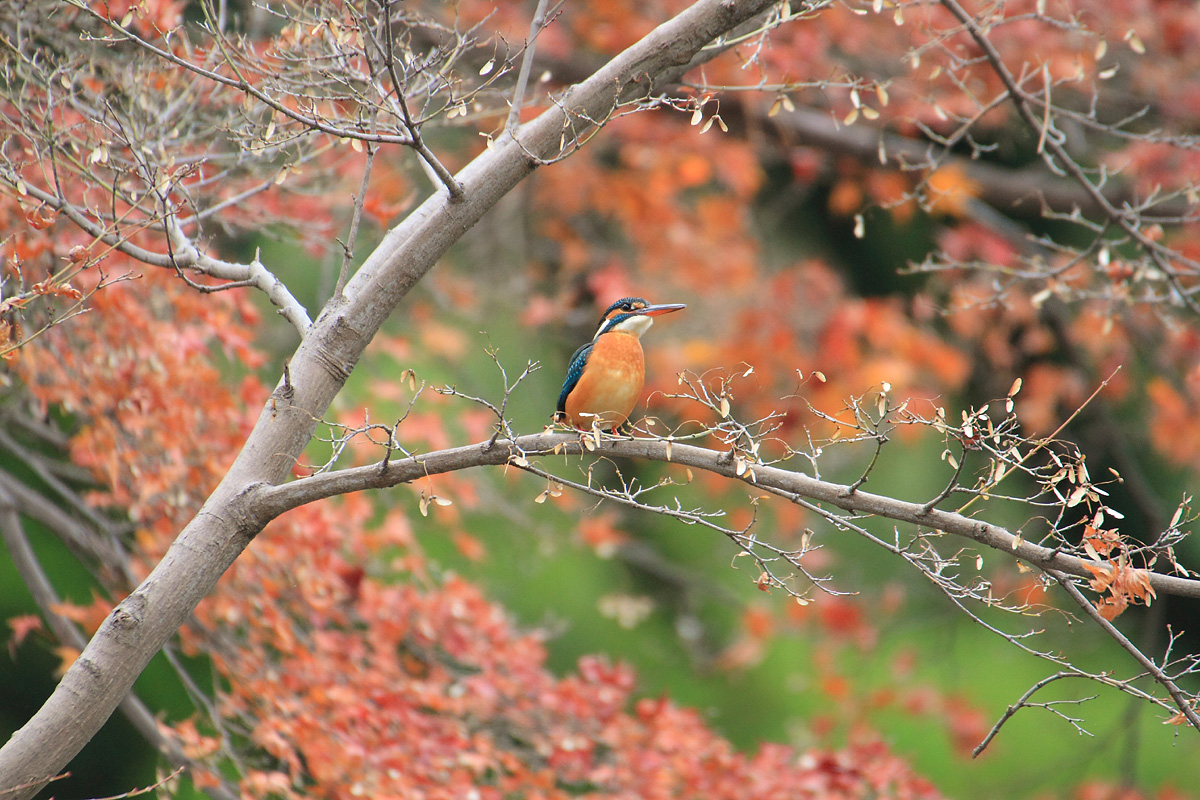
(845, 198)
(950, 190)
(66, 657)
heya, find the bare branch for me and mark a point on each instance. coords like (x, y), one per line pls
(1024, 702)
(518, 95)
(183, 254)
(1056, 157)
(274, 500)
(1185, 703)
(355, 219)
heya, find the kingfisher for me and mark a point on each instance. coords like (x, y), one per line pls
(606, 374)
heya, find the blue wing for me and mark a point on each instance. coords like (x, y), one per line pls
(578, 361)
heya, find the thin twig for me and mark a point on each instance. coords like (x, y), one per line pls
(356, 217)
(1023, 702)
(1056, 157)
(1185, 703)
(518, 96)
(951, 485)
(453, 186)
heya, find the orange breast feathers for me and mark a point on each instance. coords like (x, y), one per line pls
(611, 382)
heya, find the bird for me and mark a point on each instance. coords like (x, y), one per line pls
(605, 377)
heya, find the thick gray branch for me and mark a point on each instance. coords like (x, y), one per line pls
(46, 598)
(1028, 190)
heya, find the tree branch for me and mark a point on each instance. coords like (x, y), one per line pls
(183, 255)
(1024, 191)
(241, 84)
(1052, 149)
(77, 537)
(1182, 701)
(518, 95)
(138, 627)
(1024, 702)
(275, 500)
(46, 598)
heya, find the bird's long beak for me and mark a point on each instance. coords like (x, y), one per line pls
(664, 308)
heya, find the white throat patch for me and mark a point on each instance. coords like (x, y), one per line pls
(635, 325)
